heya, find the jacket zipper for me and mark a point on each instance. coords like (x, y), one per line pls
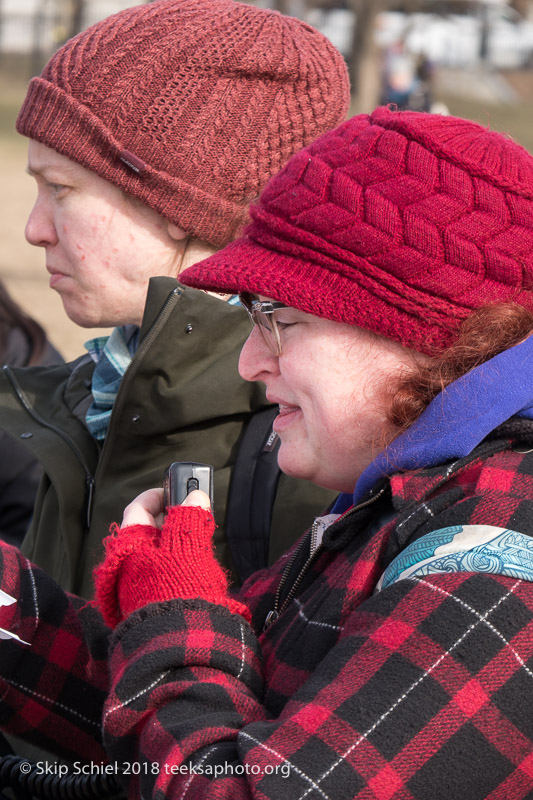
(159, 322)
(314, 551)
(274, 613)
(89, 479)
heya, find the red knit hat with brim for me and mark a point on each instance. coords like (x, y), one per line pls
(399, 222)
(189, 105)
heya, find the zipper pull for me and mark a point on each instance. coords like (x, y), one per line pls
(271, 617)
(89, 496)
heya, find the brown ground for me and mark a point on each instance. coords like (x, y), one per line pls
(522, 82)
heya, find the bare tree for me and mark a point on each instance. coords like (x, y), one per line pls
(37, 32)
(281, 5)
(76, 17)
(363, 61)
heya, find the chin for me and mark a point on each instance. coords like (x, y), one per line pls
(294, 467)
(86, 322)
(78, 315)
(85, 319)
(298, 468)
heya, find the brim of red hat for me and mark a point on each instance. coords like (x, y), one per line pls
(245, 266)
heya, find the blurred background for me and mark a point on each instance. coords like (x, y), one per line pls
(471, 58)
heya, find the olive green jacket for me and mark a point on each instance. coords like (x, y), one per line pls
(181, 399)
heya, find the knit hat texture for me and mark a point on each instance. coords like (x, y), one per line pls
(189, 105)
(399, 222)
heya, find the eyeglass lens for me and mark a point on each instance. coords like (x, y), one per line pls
(262, 315)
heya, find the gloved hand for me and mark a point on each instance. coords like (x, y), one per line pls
(146, 565)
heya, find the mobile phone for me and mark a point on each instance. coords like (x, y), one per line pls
(182, 477)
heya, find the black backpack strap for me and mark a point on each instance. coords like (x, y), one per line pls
(251, 494)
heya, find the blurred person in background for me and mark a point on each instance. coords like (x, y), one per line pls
(406, 79)
(150, 134)
(22, 343)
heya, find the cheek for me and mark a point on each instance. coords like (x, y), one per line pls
(99, 225)
(334, 408)
(81, 233)
(346, 419)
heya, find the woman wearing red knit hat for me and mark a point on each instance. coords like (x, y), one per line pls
(150, 134)
(388, 273)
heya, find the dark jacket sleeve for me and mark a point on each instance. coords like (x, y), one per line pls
(52, 689)
(20, 472)
(19, 480)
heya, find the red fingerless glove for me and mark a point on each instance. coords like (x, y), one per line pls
(144, 565)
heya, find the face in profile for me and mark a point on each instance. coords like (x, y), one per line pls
(101, 247)
(330, 382)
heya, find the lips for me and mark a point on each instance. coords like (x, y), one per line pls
(55, 276)
(288, 414)
(285, 409)
(278, 401)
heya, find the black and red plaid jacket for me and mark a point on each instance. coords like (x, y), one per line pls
(423, 691)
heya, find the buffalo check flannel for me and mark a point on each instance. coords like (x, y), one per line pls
(421, 691)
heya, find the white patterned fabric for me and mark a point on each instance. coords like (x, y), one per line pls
(464, 548)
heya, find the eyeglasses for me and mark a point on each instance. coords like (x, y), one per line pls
(261, 313)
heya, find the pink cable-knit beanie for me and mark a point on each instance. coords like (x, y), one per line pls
(189, 105)
(399, 222)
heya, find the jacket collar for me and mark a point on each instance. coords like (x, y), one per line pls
(186, 365)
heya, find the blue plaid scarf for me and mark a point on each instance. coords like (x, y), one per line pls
(113, 355)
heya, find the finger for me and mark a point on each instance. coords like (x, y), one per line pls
(159, 520)
(197, 498)
(145, 509)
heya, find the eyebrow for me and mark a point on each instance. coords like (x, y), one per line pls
(38, 171)
(41, 171)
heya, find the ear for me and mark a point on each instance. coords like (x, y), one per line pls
(178, 234)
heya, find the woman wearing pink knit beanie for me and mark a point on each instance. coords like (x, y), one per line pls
(149, 135)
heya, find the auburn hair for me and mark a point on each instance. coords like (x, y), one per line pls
(483, 334)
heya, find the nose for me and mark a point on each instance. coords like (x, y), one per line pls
(40, 228)
(257, 362)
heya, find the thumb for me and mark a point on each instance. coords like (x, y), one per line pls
(198, 498)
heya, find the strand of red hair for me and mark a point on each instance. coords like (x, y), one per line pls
(483, 334)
